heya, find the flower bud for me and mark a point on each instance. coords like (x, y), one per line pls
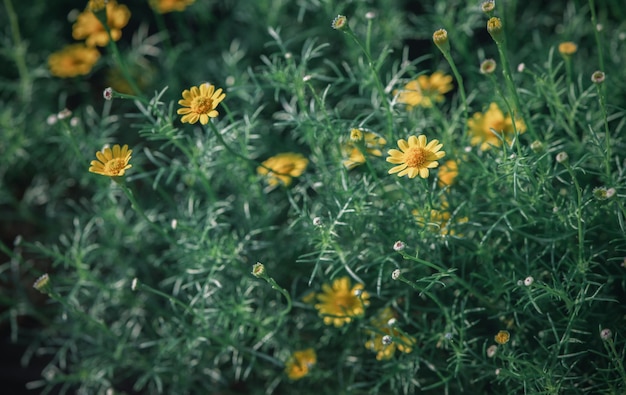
(597, 77)
(488, 66)
(562, 157)
(387, 340)
(42, 284)
(440, 38)
(258, 270)
(495, 29)
(340, 22)
(399, 246)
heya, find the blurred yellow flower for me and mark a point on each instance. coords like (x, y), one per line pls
(447, 173)
(88, 27)
(415, 157)
(487, 129)
(341, 302)
(353, 150)
(165, 6)
(73, 60)
(502, 337)
(567, 48)
(283, 167)
(299, 364)
(438, 221)
(424, 90)
(200, 103)
(112, 162)
(384, 325)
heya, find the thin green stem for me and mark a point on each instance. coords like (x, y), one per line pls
(579, 221)
(116, 53)
(594, 21)
(607, 133)
(19, 55)
(459, 81)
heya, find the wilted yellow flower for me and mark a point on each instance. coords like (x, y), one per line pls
(371, 144)
(487, 129)
(165, 6)
(415, 157)
(283, 167)
(447, 173)
(88, 27)
(112, 162)
(73, 60)
(567, 48)
(341, 302)
(299, 364)
(383, 326)
(424, 90)
(200, 103)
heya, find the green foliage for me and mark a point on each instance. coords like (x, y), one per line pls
(152, 289)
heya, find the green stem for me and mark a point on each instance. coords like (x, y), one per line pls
(579, 221)
(607, 133)
(459, 81)
(117, 55)
(19, 54)
(142, 214)
(594, 21)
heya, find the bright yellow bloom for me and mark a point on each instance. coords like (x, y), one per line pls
(487, 129)
(381, 326)
(415, 157)
(438, 221)
(424, 90)
(353, 149)
(299, 364)
(200, 103)
(88, 26)
(73, 60)
(283, 167)
(447, 173)
(112, 162)
(341, 302)
(165, 6)
(567, 48)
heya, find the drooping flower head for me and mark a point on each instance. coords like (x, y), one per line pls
(73, 60)
(200, 103)
(340, 302)
(415, 157)
(89, 27)
(300, 363)
(381, 332)
(489, 128)
(369, 142)
(112, 162)
(165, 6)
(281, 168)
(425, 90)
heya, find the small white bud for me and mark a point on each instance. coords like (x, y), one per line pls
(133, 284)
(392, 322)
(396, 274)
(108, 93)
(317, 221)
(521, 67)
(52, 119)
(174, 223)
(562, 157)
(399, 246)
(528, 281)
(387, 340)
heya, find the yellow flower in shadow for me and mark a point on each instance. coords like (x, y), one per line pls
(490, 128)
(300, 363)
(341, 302)
(112, 162)
(438, 221)
(73, 60)
(353, 149)
(425, 90)
(281, 168)
(415, 157)
(89, 27)
(447, 173)
(383, 324)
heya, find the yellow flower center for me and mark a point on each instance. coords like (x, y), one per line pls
(115, 165)
(202, 105)
(415, 157)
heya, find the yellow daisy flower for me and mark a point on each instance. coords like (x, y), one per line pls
(283, 167)
(88, 27)
(568, 48)
(112, 162)
(341, 302)
(299, 364)
(484, 129)
(165, 6)
(447, 173)
(502, 337)
(73, 60)
(415, 157)
(200, 103)
(382, 326)
(372, 144)
(424, 90)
